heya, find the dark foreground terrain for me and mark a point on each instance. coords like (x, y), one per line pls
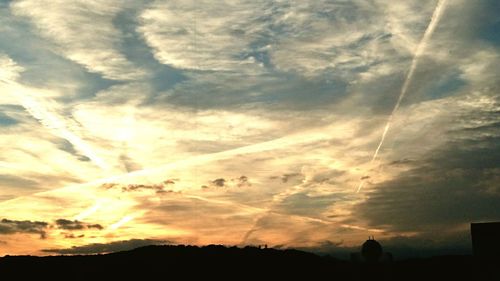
(219, 262)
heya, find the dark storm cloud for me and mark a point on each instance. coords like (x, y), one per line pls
(98, 248)
(456, 186)
(403, 247)
(451, 186)
(14, 226)
(76, 225)
(452, 243)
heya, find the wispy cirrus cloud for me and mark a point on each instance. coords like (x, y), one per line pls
(293, 95)
(82, 32)
(206, 35)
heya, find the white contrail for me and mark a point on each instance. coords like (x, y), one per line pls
(279, 143)
(121, 222)
(50, 121)
(436, 16)
(89, 211)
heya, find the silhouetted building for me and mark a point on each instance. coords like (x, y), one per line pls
(486, 239)
(371, 252)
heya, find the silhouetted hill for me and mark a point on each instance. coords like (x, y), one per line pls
(189, 262)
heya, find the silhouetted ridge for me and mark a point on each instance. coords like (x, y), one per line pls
(232, 263)
(190, 261)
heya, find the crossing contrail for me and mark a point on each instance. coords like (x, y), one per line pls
(436, 16)
(50, 121)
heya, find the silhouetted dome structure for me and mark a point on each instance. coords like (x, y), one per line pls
(371, 250)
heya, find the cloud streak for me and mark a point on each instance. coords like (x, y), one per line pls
(52, 122)
(436, 15)
(142, 118)
(67, 26)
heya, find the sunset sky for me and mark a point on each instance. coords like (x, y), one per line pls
(247, 122)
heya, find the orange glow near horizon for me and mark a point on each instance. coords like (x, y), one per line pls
(293, 124)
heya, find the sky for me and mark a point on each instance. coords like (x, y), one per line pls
(296, 124)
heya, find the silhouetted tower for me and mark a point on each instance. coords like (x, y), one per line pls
(486, 239)
(371, 250)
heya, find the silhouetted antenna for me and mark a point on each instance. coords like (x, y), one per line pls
(371, 250)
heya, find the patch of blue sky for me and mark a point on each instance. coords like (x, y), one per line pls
(491, 32)
(161, 77)
(6, 120)
(447, 86)
(42, 66)
(489, 29)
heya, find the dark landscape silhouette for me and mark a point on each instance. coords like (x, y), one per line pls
(221, 262)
